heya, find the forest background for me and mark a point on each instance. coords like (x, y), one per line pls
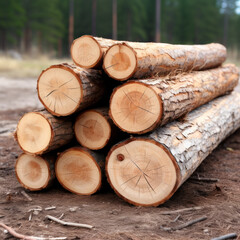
(49, 26)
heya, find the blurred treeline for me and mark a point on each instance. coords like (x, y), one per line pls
(44, 24)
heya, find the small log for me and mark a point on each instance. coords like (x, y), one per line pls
(147, 171)
(128, 60)
(88, 51)
(94, 129)
(35, 172)
(142, 105)
(80, 170)
(64, 89)
(40, 132)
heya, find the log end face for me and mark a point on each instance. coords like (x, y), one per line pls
(34, 133)
(135, 108)
(78, 172)
(120, 62)
(92, 130)
(60, 90)
(32, 172)
(86, 52)
(145, 175)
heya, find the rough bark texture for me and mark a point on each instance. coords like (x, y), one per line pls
(49, 158)
(91, 86)
(182, 93)
(191, 141)
(146, 171)
(160, 58)
(61, 132)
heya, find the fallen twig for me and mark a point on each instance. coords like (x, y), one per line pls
(68, 223)
(227, 236)
(21, 236)
(180, 210)
(26, 195)
(184, 225)
(2, 216)
(177, 218)
(202, 179)
(50, 208)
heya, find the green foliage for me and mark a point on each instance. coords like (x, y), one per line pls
(45, 23)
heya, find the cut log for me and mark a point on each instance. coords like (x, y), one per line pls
(64, 89)
(80, 170)
(142, 105)
(35, 172)
(88, 51)
(40, 132)
(137, 60)
(147, 171)
(94, 129)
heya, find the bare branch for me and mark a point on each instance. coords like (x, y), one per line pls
(68, 223)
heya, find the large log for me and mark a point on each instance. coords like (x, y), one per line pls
(80, 170)
(64, 89)
(147, 171)
(142, 105)
(40, 132)
(128, 60)
(35, 172)
(88, 51)
(94, 129)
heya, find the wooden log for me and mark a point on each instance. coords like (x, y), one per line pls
(94, 129)
(40, 132)
(35, 172)
(147, 171)
(88, 51)
(142, 105)
(64, 89)
(80, 170)
(128, 60)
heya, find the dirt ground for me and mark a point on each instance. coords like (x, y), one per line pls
(111, 217)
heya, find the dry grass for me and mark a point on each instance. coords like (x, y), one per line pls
(27, 67)
(32, 67)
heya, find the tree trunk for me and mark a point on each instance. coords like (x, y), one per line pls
(80, 170)
(147, 171)
(94, 129)
(64, 89)
(137, 60)
(35, 172)
(142, 105)
(88, 51)
(40, 132)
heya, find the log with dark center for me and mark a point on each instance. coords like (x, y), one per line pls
(123, 61)
(80, 170)
(140, 106)
(147, 171)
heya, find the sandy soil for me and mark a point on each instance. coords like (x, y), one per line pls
(111, 217)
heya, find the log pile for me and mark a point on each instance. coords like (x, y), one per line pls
(177, 100)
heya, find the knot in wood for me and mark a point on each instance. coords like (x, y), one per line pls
(120, 157)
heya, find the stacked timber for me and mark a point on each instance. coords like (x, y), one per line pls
(175, 99)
